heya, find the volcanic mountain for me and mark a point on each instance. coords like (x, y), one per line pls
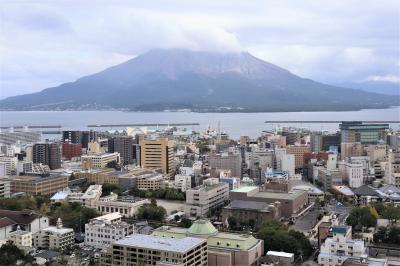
(200, 81)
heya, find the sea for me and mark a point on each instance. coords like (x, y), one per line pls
(235, 124)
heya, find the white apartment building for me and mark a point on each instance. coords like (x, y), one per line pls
(353, 173)
(392, 170)
(10, 163)
(100, 160)
(183, 182)
(201, 199)
(54, 237)
(127, 207)
(335, 250)
(5, 191)
(102, 231)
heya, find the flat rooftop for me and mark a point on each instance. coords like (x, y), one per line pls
(244, 189)
(280, 195)
(181, 245)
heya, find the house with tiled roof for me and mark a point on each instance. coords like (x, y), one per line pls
(26, 220)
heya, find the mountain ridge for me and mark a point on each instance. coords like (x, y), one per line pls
(200, 81)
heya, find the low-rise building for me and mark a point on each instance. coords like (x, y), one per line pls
(99, 160)
(201, 200)
(126, 206)
(101, 231)
(224, 248)
(89, 198)
(251, 212)
(34, 185)
(54, 237)
(26, 220)
(292, 203)
(336, 249)
(22, 239)
(149, 250)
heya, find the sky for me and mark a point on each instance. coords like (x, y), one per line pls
(46, 43)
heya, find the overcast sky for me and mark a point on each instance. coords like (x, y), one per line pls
(51, 42)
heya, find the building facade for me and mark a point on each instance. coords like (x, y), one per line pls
(158, 154)
(48, 154)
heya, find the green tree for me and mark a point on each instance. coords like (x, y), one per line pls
(380, 235)
(107, 188)
(185, 222)
(61, 261)
(232, 222)
(11, 254)
(151, 212)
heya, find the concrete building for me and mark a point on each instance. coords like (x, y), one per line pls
(22, 239)
(10, 164)
(363, 133)
(79, 137)
(328, 179)
(99, 160)
(48, 154)
(93, 148)
(151, 250)
(124, 146)
(251, 212)
(292, 204)
(71, 150)
(5, 188)
(298, 151)
(150, 181)
(279, 258)
(158, 154)
(336, 249)
(89, 198)
(392, 169)
(54, 237)
(353, 173)
(228, 161)
(102, 231)
(126, 206)
(11, 136)
(183, 182)
(377, 152)
(224, 248)
(34, 185)
(200, 200)
(316, 141)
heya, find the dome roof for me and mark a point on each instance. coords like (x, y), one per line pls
(202, 227)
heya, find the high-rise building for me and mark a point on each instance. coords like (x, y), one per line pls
(71, 150)
(298, 151)
(124, 146)
(10, 164)
(363, 133)
(331, 140)
(159, 154)
(48, 154)
(227, 161)
(316, 141)
(79, 137)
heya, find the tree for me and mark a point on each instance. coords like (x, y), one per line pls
(61, 261)
(185, 222)
(151, 212)
(391, 213)
(394, 235)
(11, 254)
(361, 216)
(107, 188)
(380, 235)
(232, 222)
(44, 209)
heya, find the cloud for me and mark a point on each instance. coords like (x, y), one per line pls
(386, 78)
(50, 42)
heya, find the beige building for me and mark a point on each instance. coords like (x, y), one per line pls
(298, 152)
(200, 200)
(150, 181)
(99, 176)
(99, 160)
(34, 185)
(224, 248)
(127, 207)
(93, 148)
(20, 238)
(54, 237)
(158, 154)
(149, 250)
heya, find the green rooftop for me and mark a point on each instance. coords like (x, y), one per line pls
(202, 228)
(339, 230)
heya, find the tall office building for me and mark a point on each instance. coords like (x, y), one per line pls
(124, 146)
(364, 133)
(331, 140)
(79, 137)
(48, 154)
(158, 153)
(316, 141)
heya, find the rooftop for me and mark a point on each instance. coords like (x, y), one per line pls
(244, 189)
(280, 254)
(280, 195)
(160, 243)
(55, 229)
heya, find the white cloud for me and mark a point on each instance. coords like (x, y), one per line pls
(386, 78)
(49, 42)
